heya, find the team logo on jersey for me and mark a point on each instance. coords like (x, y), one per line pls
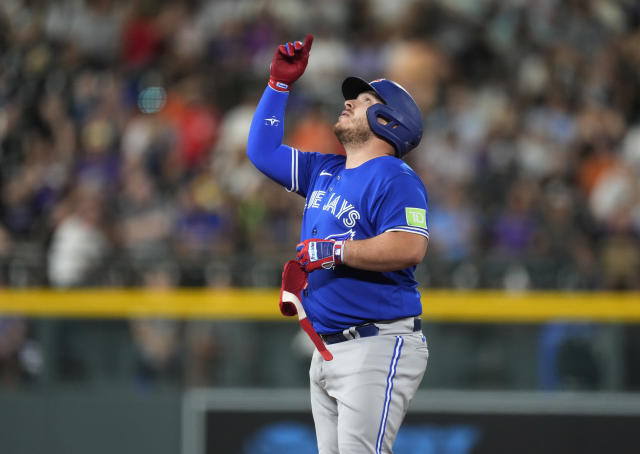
(273, 121)
(348, 235)
(416, 217)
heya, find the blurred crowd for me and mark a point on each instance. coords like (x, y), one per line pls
(123, 126)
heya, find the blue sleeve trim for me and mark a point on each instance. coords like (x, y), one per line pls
(294, 171)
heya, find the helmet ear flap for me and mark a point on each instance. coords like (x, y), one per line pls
(385, 124)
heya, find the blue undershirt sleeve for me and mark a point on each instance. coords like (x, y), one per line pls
(264, 146)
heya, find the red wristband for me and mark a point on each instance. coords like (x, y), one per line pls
(278, 86)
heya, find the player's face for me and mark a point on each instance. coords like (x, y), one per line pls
(352, 127)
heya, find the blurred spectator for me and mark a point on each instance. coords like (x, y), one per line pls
(141, 36)
(516, 225)
(98, 165)
(5, 251)
(31, 191)
(79, 243)
(203, 228)
(313, 131)
(144, 221)
(232, 170)
(194, 119)
(445, 160)
(95, 27)
(202, 350)
(453, 227)
(157, 340)
(453, 223)
(418, 66)
(328, 65)
(631, 148)
(12, 338)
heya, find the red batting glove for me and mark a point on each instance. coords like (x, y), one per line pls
(289, 62)
(315, 253)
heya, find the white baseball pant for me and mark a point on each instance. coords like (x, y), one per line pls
(360, 398)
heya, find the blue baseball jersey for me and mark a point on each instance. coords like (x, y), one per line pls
(384, 194)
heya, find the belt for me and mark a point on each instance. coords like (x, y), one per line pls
(368, 330)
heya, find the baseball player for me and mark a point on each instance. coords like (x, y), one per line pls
(364, 229)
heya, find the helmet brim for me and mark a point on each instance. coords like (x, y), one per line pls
(353, 86)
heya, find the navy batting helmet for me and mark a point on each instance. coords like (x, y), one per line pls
(403, 127)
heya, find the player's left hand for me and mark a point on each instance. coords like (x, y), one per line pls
(315, 253)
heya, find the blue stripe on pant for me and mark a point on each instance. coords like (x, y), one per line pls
(387, 401)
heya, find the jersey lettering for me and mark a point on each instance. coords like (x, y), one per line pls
(315, 199)
(346, 206)
(351, 218)
(344, 211)
(332, 204)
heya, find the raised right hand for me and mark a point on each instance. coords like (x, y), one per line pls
(289, 62)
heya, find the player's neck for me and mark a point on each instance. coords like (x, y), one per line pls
(358, 155)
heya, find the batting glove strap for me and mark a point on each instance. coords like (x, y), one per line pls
(338, 252)
(278, 86)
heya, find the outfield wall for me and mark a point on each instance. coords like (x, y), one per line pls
(261, 304)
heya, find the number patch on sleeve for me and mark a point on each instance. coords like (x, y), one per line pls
(416, 217)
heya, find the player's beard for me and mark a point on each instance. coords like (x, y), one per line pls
(352, 133)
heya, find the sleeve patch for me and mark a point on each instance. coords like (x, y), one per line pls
(416, 217)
